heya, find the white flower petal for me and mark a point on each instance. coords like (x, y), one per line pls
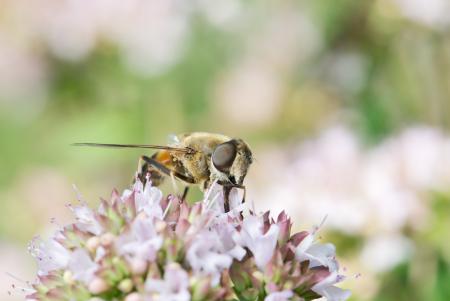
(279, 296)
(141, 242)
(333, 293)
(174, 287)
(207, 256)
(317, 254)
(148, 200)
(82, 266)
(304, 245)
(51, 255)
(86, 220)
(327, 289)
(261, 245)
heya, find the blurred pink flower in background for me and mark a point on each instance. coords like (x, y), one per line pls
(149, 33)
(347, 69)
(384, 251)
(372, 192)
(225, 14)
(435, 13)
(250, 93)
(22, 76)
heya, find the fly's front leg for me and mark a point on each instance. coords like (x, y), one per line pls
(226, 198)
(226, 195)
(174, 183)
(185, 192)
(142, 171)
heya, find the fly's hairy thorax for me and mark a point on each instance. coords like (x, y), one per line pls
(198, 164)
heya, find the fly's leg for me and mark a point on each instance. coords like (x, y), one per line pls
(185, 192)
(168, 172)
(226, 198)
(142, 171)
(226, 195)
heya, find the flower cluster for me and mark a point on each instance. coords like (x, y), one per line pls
(140, 245)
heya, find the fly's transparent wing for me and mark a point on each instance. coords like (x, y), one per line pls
(148, 146)
(173, 139)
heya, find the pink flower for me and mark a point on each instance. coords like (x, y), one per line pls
(86, 220)
(82, 266)
(252, 236)
(317, 254)
(130, 250)
(174, 287)
(206, 256)
(225, 233)
(147, 199)
(141, 243)
(280, 296)
(50, 255)
(327, 289)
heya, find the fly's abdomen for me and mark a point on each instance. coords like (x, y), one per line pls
(153, 174)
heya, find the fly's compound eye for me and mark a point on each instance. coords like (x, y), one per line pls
(224, 155)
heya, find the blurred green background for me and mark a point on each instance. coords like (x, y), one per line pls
(347, 99)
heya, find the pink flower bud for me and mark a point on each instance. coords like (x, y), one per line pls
(133, 297)
(106, 239)
(93, 243)
(98, 286)
(138, 266)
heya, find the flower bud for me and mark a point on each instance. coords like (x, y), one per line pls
(160, 226)
(92, 243)
(68, 277)
(133, 297)
(106, 239)
(200, 288)
(138, 266)
(126, 285)
(98, 286)
(258, 275)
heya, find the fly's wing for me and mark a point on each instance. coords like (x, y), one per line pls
(186, 150)
(161, 158)
(173, 139)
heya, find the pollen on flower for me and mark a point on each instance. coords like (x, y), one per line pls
(140, 245)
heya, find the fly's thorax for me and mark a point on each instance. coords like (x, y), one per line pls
(195, 165)
(198, 163)
(202, 142)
